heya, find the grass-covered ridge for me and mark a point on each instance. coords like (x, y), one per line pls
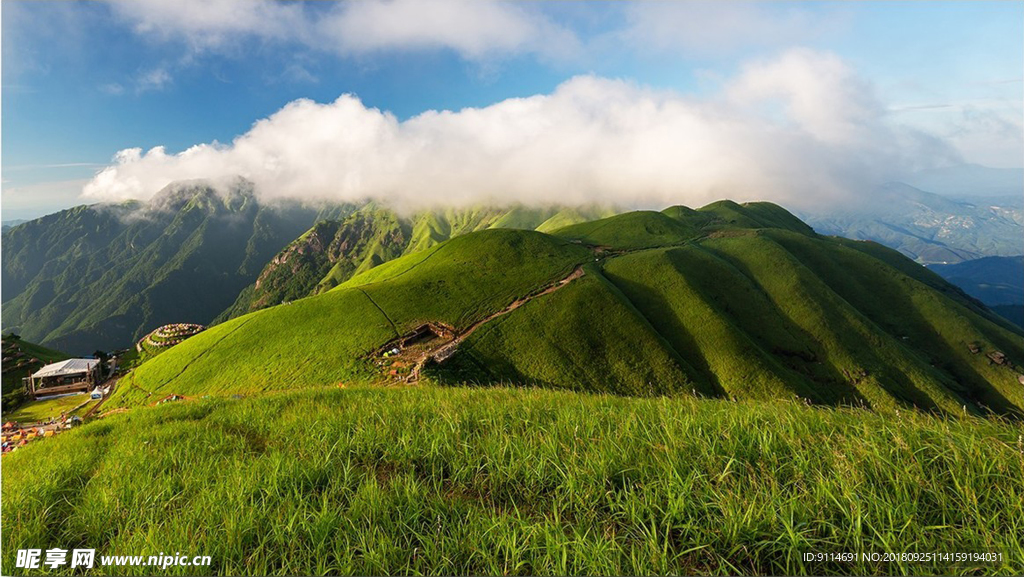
(521, 481)
(333, 251)
(731, 300)
(324, 339)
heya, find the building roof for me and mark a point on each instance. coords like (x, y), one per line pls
(68, 367)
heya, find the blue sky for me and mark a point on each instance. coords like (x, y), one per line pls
(82, 81)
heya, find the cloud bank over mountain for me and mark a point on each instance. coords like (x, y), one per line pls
(800, 128)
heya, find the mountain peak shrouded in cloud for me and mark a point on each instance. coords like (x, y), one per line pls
(801, 128)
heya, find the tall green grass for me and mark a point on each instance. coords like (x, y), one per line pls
(521, 481)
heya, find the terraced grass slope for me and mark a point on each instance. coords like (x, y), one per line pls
(740, 301)
(429, 480)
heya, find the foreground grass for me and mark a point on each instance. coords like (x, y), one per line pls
(513, 481)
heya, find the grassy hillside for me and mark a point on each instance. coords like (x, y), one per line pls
(506, 481)
(20, 359)
(578, 338)
(334, 251)
(729, 214)
(39, 411)
(714, 309)
(631, 230)
(325, 339)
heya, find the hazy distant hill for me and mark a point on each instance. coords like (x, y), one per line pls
(98, 277)
(12, 223)
(931, 228)
(967, 180)
(993, 280)
(996, 281)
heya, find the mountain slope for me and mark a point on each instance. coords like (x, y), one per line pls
(99, 277)
(334, 251)
(736, 307)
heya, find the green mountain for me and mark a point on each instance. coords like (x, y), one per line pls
(335, 250)
(740, 301)
(101, 276)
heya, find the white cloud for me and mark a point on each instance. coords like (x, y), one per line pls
(472, 28)
(798, 129)
(475, 29)
(113, 89)
(212, 23)
(707, 28)
(156, 79)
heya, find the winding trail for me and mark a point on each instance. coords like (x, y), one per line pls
(445, 350)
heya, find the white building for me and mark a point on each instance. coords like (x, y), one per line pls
(67, 376)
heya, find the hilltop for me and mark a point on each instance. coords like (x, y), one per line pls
(739, 301)
(333, 251)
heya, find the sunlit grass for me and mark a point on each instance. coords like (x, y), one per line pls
(35, 411)
(521, 481)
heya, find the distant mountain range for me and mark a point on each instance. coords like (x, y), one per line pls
(102, 276)
(993, 280)
(99, 277)
(996, 281)
(930, 228)
(12, 223)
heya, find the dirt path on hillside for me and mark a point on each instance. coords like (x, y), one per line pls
(441, 350)
(112, 383)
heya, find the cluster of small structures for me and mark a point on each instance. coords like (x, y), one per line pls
(997, 358)
(64, 377)
(170, 335)
(402, 356)
(15, 436)
(14, 359)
